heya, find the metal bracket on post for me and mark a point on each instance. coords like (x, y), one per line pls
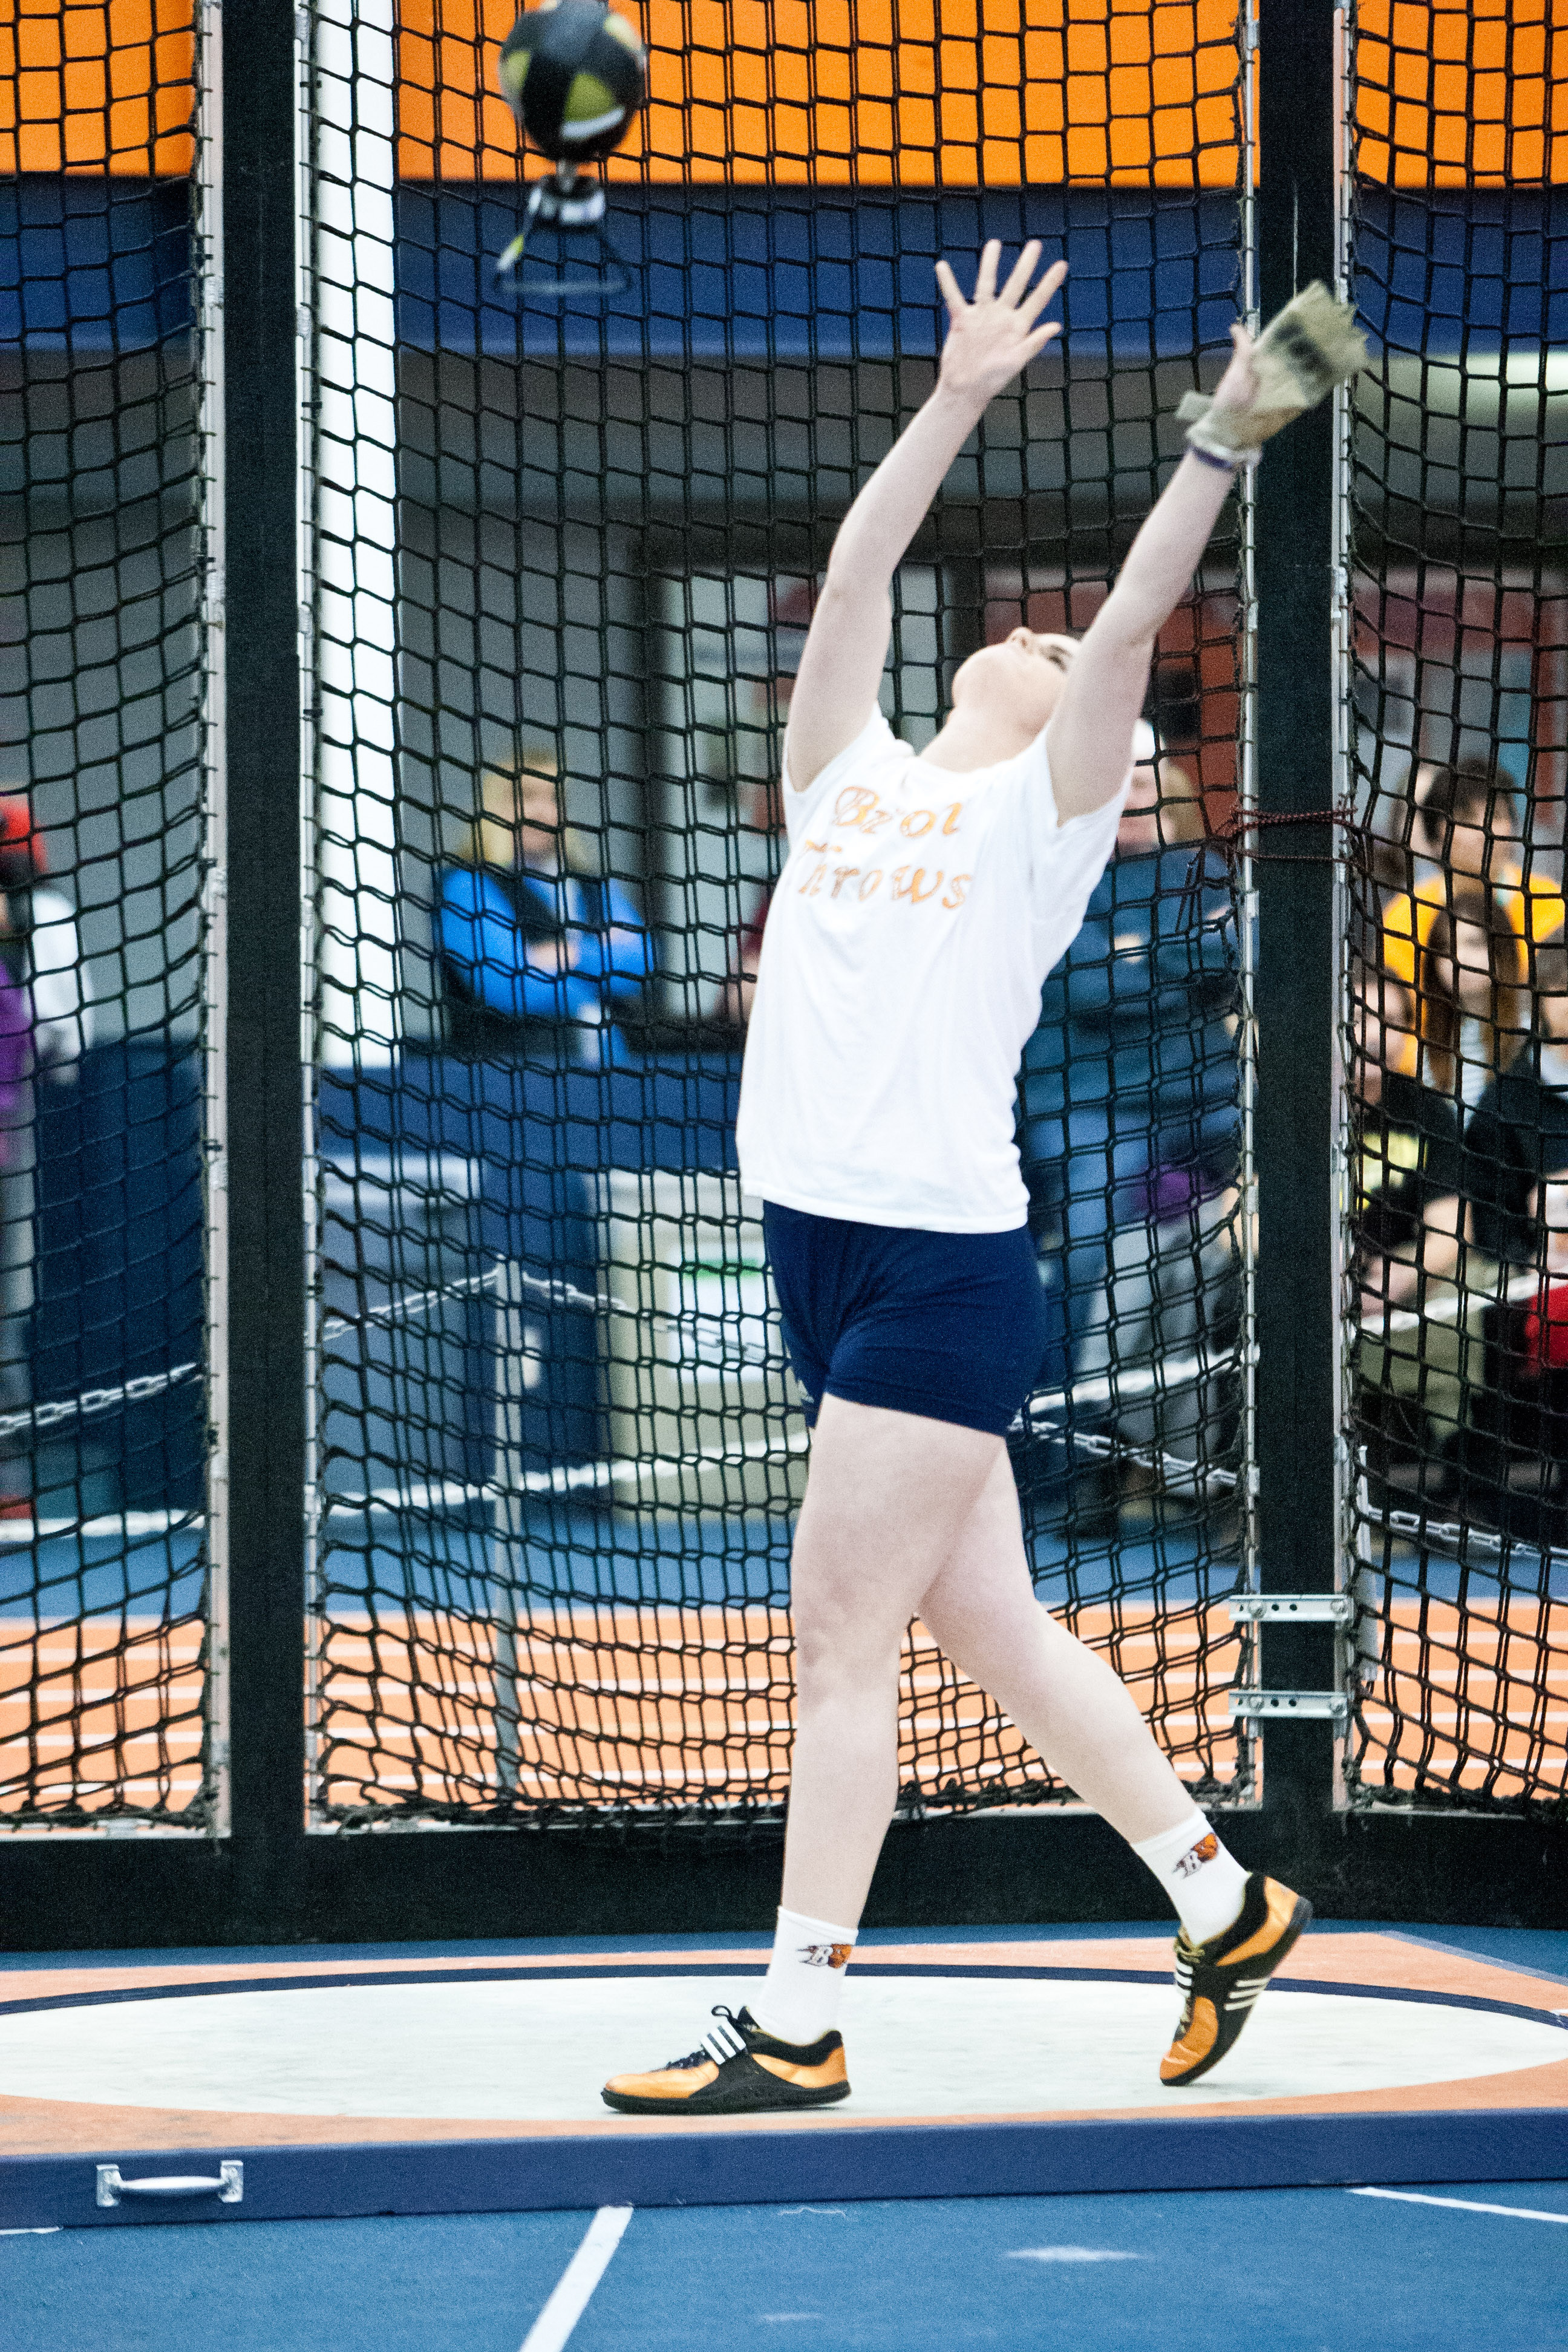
(1289, 1706)
(1292, 1608)
(1287, 1609)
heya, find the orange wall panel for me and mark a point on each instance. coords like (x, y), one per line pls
(1462, 94)
(831, 93)
(1137, 92)
(94, 89)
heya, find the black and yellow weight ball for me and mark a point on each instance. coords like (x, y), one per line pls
(574, 73)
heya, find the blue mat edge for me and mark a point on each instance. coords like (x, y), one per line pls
(870, 2162)
(1475, 1943)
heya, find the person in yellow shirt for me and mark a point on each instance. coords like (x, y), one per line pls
(1472, 984)
(1412, 1368)
(1466, 824)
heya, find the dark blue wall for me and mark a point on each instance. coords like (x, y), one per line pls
(788, 275)
(119, 1258)
(96, 265)
(119, 1254)
(92, 264)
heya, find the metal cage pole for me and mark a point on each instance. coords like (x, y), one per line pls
(264, 1092)
(208, 258)
(1299, 559)
(1246, 880)
(506, 1527)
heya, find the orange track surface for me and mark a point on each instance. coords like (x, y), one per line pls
(624, 1705)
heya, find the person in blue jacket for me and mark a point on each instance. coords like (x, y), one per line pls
(1129, 1089)
(537, 958)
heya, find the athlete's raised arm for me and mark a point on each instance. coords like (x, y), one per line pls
(1103, 697)
(989, 341)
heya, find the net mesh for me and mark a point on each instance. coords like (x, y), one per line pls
(103, 1562)
(563, 554)
(1459, 991)
(564, 558)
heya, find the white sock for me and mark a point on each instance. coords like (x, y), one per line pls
(804, 1984)
(1205, 1883)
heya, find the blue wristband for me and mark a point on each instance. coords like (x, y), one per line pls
(1226, 465)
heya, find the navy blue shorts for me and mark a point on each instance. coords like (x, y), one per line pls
(953, 1326)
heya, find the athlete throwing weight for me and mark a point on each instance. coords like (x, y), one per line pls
(922, 903)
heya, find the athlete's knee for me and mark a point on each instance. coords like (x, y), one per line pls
(840, 1644)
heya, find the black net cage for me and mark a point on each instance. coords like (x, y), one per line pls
(562, 516)
(1457, 722)
(566, 551)
(111, 1597)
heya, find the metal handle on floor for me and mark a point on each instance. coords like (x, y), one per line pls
(228, 2186)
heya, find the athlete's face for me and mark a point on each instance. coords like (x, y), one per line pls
(1024, 675)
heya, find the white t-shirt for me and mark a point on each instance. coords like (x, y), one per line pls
(907, 942)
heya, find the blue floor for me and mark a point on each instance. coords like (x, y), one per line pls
(1297, 2270)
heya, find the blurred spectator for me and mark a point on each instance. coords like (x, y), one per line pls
(1129, 1084)
(16, 1245)
(1517, 1459)
(1472, 998)
(537, 955)
(1527, 1371)
(41, 948)
(1406, 1156)
(1406, 1241)
(45, 1026)
(1391, 854)
(1464, 827)
(735, 1003)
(1516, 1139)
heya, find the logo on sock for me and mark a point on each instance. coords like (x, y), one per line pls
(824, 1955)
(1193, 1861)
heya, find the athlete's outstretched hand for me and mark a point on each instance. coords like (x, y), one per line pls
(992, 339)
(988, 340)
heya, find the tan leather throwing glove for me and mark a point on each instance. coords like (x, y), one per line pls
(1309, 346)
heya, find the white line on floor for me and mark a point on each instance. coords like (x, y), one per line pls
(1460, 2204)
(1069, 2254)
(577, 2281)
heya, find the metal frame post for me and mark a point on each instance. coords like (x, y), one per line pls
(506, 1527)
(215, 1122)
(1297, 560)
(264, 1089)
(269, 1880)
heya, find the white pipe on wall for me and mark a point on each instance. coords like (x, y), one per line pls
(356, 530)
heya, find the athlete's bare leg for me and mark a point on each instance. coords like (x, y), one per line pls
(905, 1516)
(886, 1498)
(1069, 1705)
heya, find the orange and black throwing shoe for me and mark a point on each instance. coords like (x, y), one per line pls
(739, 2071)
(1220, 1980)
